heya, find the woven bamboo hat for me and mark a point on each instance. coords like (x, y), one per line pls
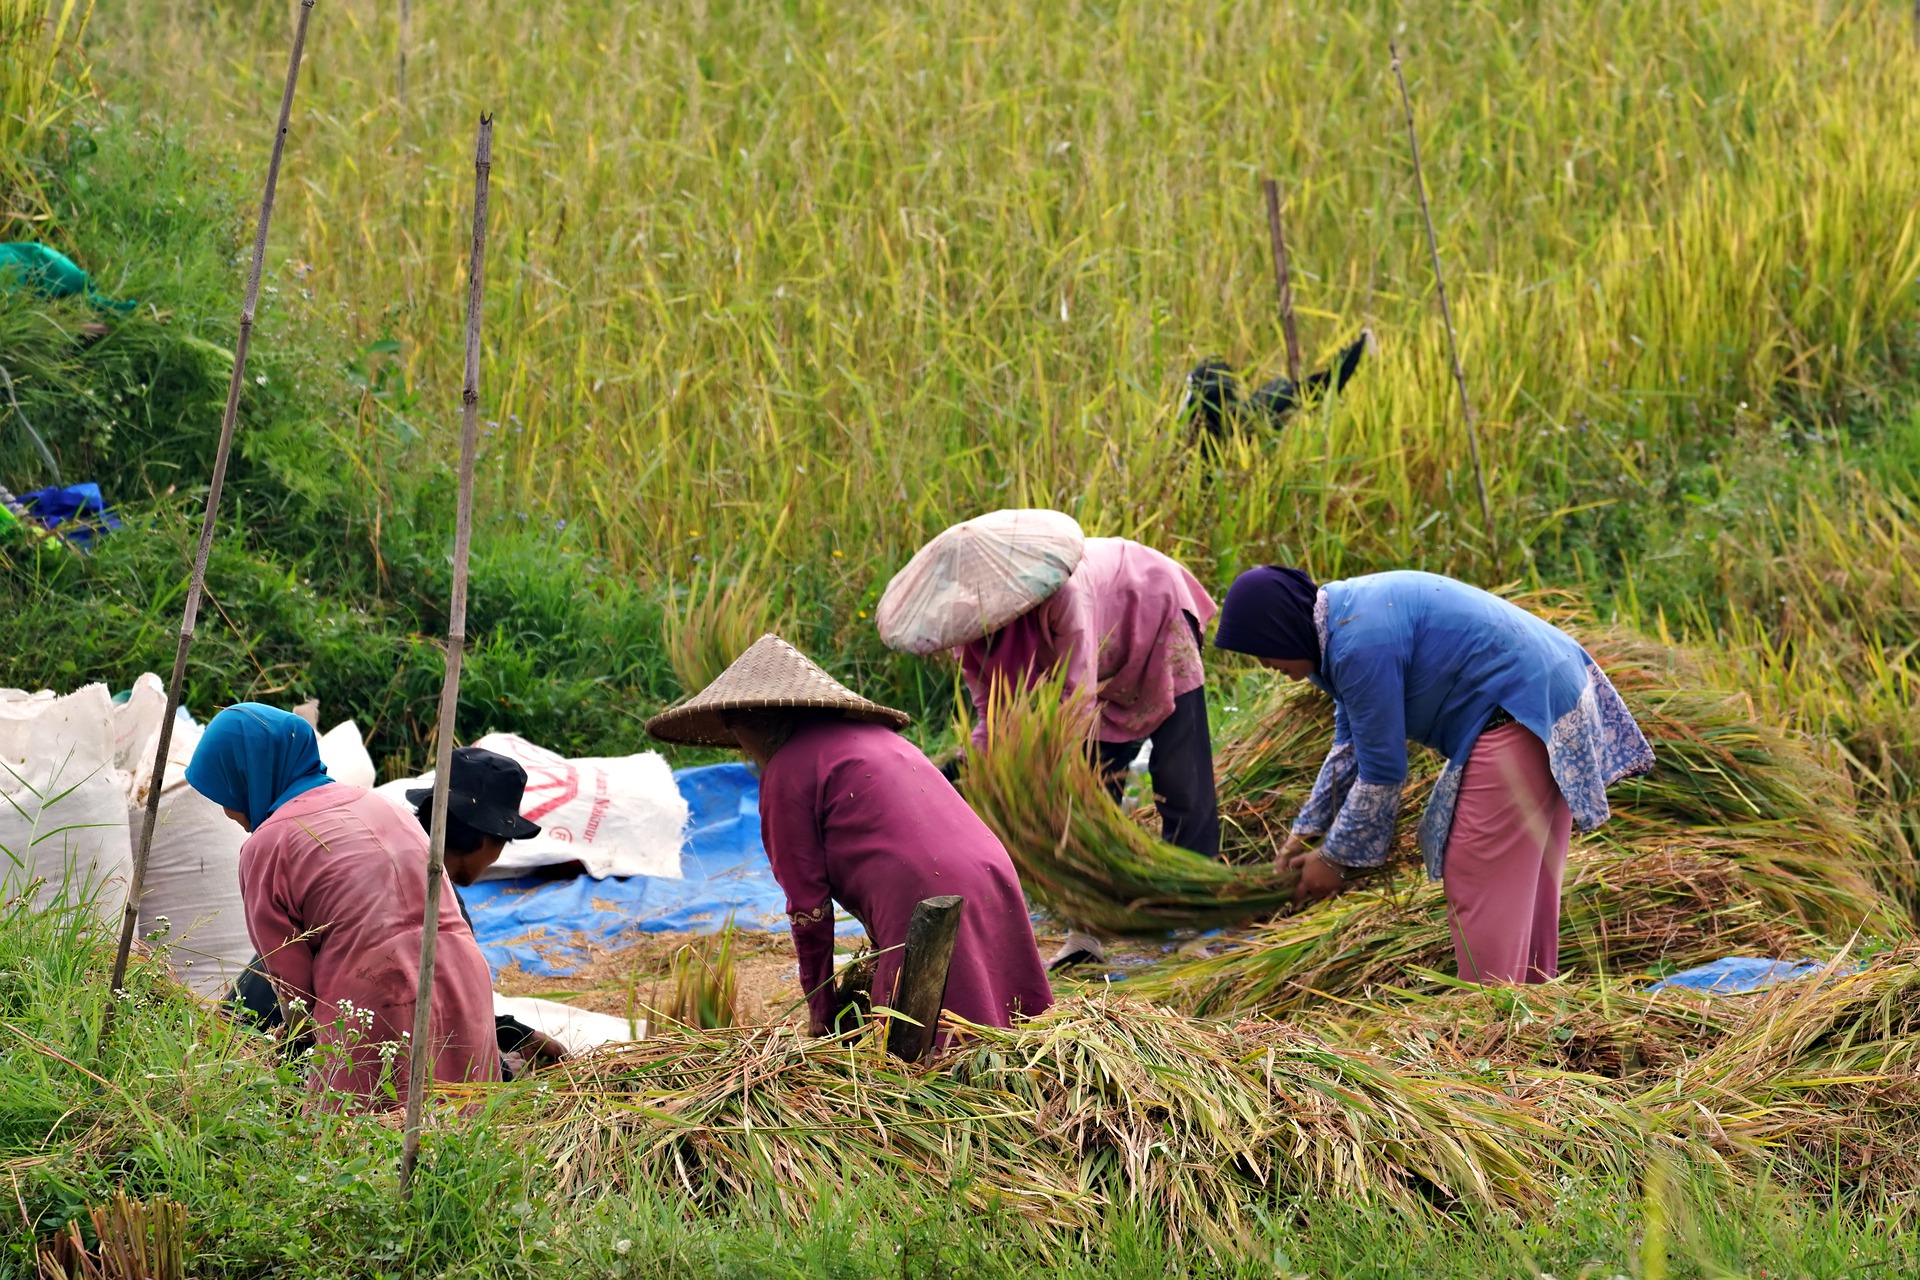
(976, 577)
(770, 675)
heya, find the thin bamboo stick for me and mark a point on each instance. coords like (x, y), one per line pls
(1283, 282)
(420, 1050)
(1446, 311)
(196, 585)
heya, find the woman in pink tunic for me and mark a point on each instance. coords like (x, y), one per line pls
(852, 812)
(334, 885)
(1125, 626)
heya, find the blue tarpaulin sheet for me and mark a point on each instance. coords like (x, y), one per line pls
(1736, 974)
(547, 926)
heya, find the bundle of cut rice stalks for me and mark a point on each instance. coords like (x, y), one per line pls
(1077, 852)
(1622, 909)
(1098, 1103)
(1822, 1072)
(1598, 1026)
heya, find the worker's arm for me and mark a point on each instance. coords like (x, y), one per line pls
(1330, 788)
(790, 809)
(275, 926)
(1373, 696)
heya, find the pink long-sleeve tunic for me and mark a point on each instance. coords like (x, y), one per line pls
(349, 868)
(855, 813)
(1124, 624)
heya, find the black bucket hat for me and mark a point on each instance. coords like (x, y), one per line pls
(484, 792)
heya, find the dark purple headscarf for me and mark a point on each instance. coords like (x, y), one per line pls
(1269, 613)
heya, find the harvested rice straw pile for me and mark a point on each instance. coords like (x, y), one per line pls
(1100, 1102)
(1823, 1073)
(1621, 909)
(1077, 852)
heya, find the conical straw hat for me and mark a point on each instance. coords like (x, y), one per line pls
(770, 674)
(976, 577)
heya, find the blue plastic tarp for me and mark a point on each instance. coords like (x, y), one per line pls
(547, 926)
(1736, 974)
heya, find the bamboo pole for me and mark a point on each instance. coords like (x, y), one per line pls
(1446, 311)
(1283, 282)
(196, 584)
(419, 1049)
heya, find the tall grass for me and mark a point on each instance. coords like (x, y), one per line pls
(41, 79)
(880, 271)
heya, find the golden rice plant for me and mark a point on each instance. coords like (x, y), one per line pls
(705, 984)
(718, 618)
(1078, 854)
(42, 78)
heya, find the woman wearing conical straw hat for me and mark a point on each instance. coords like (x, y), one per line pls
(1021, 594)
(851, 812)
(1532, 730)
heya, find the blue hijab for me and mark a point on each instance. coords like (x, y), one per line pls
(254, 758)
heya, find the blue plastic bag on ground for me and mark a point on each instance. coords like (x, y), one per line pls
(1737, 974)
(78, 507)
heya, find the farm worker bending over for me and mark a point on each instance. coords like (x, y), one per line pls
(1532, 730)
(483, 814)
(852, 812)
(1022, 594)
(334, 883)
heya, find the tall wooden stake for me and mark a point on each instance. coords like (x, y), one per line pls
(1283, 279)
(1446, 312)
(419, 1050)
(196, 584)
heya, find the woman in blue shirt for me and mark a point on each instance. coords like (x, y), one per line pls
(1532, 730)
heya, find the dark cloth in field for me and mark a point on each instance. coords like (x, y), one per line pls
(1215, 408)
(1182, 771)
(854, 813)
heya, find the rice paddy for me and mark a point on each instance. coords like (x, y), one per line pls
(780, 290)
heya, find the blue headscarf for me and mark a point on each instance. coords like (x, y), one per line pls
(254, 758)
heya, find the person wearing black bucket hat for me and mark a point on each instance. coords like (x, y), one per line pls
(483, 814)
(483, 811)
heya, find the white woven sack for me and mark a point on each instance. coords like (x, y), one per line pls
(191, 899)
(63, 808)
(579, 1030)
(616, 815)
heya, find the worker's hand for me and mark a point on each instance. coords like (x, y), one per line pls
(94, 329)
(1292, 851)
(816, 1028)
(542, 1049)
(1318, 879)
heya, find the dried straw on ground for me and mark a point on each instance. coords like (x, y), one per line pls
(1100, 1102)
(1622, 910)
(1076, 852)
(1482, 1096)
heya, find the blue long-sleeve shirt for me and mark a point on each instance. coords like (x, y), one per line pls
(1408, 655)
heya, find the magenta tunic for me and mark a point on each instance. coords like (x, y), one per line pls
(351, 865)
(855, 813)
(1123, 625)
